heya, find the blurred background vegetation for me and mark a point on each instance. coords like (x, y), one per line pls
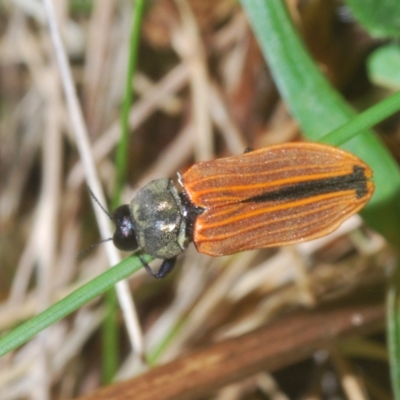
(201, 90)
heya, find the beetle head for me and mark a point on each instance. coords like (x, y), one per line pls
(124, 236)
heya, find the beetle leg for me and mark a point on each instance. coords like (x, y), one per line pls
(146, 266)
(165, 268)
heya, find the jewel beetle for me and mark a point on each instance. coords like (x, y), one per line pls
(275, 196)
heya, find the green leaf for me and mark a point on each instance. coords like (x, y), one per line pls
(384, 66)
(381, 18)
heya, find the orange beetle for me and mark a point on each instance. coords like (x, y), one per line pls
(275, 196)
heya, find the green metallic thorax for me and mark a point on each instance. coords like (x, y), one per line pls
(159, 219)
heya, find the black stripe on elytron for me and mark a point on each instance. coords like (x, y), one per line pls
(355, 181)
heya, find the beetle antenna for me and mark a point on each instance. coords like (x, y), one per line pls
(99, 204)
(92, 246)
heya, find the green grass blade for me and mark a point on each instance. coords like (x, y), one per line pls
(122, 147)
(393, 327)
(72, 302)
(365, 120)
(110, 329)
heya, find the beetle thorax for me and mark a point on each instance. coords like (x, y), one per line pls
(158, 215)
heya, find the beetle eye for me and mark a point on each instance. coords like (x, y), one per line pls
(124, 236)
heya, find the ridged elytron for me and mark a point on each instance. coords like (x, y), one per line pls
(275, 196)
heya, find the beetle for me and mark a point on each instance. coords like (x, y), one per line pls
(275, 196)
